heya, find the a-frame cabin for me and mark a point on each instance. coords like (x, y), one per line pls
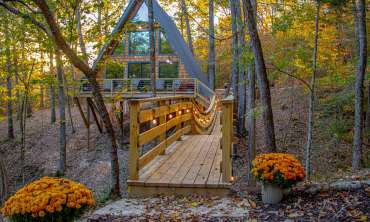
(125, 58)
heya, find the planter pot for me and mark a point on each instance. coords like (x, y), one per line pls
(271, 194)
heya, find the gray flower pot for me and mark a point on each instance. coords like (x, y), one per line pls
(271, 194)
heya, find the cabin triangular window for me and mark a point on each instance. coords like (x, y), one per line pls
(141, 15)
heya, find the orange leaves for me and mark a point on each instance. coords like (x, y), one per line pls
(271, 167)
(48, 195)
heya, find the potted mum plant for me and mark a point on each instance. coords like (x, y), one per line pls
(276, 171)
(48, 199)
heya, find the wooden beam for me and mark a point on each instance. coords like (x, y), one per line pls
(77, 102)
(92, 107)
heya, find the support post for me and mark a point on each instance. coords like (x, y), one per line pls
(88, 123)
(162, 120)
(121, 123)
(227, 138)
(93, 108)
(134, 134)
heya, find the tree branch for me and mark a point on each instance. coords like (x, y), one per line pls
(25, 16)
(291, 75)
(60, 42)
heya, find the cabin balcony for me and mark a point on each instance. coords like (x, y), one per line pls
(141, 88)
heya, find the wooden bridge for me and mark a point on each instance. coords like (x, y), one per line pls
(192, 151)
(179, 144)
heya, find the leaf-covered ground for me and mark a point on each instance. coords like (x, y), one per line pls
(324, 206)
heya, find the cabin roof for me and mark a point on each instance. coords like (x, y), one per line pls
(173, 36)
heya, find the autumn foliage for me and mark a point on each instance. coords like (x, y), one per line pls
(48, 199)
(280, 169)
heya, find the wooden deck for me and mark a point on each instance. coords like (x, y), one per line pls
(192, 165)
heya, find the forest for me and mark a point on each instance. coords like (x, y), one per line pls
(187, 110)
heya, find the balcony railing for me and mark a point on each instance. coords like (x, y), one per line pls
(143, 88)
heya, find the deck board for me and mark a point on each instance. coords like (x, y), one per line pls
(190, 165)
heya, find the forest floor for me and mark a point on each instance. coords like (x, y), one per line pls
(91, 166)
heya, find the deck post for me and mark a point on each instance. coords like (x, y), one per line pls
(134, 133)
(162, 120)
(227, 136)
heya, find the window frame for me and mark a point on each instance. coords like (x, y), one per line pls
(136, 31)
(141, 63)
(177, 69)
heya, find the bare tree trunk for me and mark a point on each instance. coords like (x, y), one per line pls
(62, 116)
(152, 47)
(251, 122)
(359, 88)
(51, 89)
(188, 29)
(9, 83)
(311, 109)
(79, 31)
(263, 82)
(211, 47)
(235, 65)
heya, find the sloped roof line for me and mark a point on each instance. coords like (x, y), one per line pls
(173, 36)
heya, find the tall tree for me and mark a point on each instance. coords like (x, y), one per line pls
(9, 82)
(62, 115)
(241, 69)
(16, 77)
(79, 30)
(51, 88)
(185, 13)
(310, 121)
(211, 47)
(359, 87)
(152, 47)
(251, 122)
(263, 82)
(235, 48)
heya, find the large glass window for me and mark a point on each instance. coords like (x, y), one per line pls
(139, 43)
(139, 70)
(114, 70)
(165, 47)
(168, 70)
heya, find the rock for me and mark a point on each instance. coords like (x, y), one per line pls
(346, 185)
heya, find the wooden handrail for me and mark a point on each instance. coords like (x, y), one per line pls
(164, 117)
(227, 137)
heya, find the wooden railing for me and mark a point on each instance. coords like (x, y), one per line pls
(168, 113)
(227, 137)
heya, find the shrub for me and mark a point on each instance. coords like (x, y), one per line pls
(48, 199)
(280, 169)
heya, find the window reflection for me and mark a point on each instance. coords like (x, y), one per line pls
(141, 15)
(139, 43)
(165, 47)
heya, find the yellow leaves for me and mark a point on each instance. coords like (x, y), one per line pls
(48, 195)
